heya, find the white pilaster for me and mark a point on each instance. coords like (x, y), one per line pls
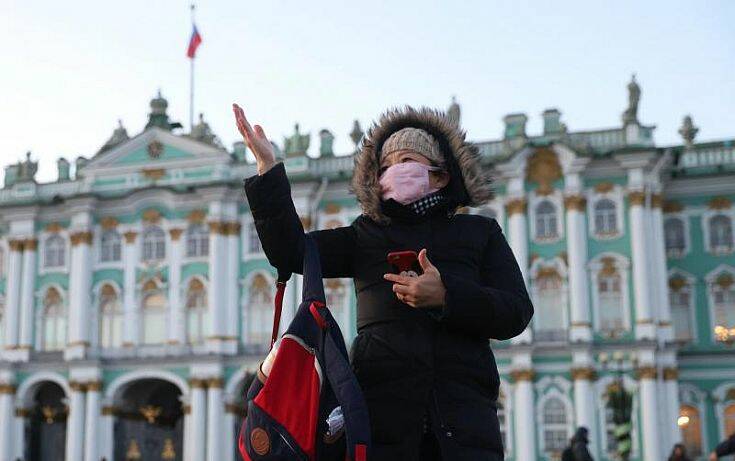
(107, 434)
(524, 414)
(665, 327)
(585, 403)
(93, 429)
(130, 262)
(198, 418)
(518, 241)
(645, 326)
(26, 295)
(230, 435)
(177, 320)
(12, 293)
(215, 416)
(80, 288)
(7, 422)
(217, 294)
(581, 329)
(649, 411)
(233, 271)
(75, 422)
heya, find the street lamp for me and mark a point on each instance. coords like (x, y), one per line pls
(620, 402)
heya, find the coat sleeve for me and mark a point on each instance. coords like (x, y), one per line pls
(499, 307)
(282, 234)
(726, 447)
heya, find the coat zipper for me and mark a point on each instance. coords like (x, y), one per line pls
(445, 429)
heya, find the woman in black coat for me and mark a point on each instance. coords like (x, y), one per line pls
(422, 355)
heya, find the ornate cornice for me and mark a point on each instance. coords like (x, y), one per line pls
(175, 234)
(108, 223)
(637, 197)
(648, 372)
(516, 205)
(153, 174)
(526, 374)
(196, 217)
(53, 227)
(234, 409)
(130, 236)
(151, 216)
(719, 203)
(23, 412)
(575, 202)
(604, 187)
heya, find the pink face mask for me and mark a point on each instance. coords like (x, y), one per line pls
(406, 182)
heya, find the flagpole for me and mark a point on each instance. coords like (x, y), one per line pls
(191, 81)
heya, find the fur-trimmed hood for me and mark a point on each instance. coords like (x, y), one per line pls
(469, 184)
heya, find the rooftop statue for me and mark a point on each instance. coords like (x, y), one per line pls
(119, 135)
(202, 132)
(356, 134)
(297, 144)
(326, 143)
(26, 171)
(634, 96)
(688, 131)
(454, 111)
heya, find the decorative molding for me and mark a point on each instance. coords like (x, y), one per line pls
(198, 383)
(196, 217)
(23, 412)
(108, 222)
(221, 338)
(637, 198)
(130, 236)
(235, 409)
(77, 343)
(671, 206)
(153, 174)
(186, 409)
(581, 324)
(78, 386)
(16, 245)
(725, 280)
(232, 228)
(7, 388)
(30, 244)
(656, 200)
(609, 266)
(526, 374)
(677, 282)
(217, 383)
(53, 227)
(719, 203)
(218, 227)
(305, 222)
(332, 208)
(517, 205)
(575, 202)
(604, 187)
(645, 322)
(109, 410)
(151, 216)
(648, 372)
(543, 168)
(94, 386)
(175, 234)
(584, 373)
(671, 374)
(78, 238)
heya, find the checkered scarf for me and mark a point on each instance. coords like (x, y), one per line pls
(423, 205)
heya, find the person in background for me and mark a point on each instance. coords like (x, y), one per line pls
(577, 448)
(726, 447)
(422, 354)
(679, 453)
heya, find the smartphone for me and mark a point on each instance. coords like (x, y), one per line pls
(405, 263)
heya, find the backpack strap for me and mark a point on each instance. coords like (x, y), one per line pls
(278, 304)
(313, 289)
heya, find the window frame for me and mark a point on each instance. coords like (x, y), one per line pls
(102, 317)
(44, 238)
(615, 195)
(146, 231)
(202, 249)
(557, 265)
(711, 279)
(622, 267)
(556, 199)
(202, 311)
(692, 287)
(707, 217)
(684, 219)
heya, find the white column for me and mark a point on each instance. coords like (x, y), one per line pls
(518, 242)
(130, 262)
(645, 327)
(215, 417)
(584, 403)
(12, 293)
(233, 272)
(19, 435)
(230, 435)
(217, 293)
(198, 418)
(671, 385)
(177, 320)
(7, 422)
(525, 425)
(581, 328)
(80, 289)
(93, 429)
(649, 410)
(26, 294)
(188, 438)
(666, 330)
(107, 433)
(75, 422)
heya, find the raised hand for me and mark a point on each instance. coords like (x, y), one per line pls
(256, 141)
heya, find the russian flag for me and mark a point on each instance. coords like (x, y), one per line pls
(194, 42)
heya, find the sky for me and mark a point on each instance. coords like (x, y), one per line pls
(69, 70)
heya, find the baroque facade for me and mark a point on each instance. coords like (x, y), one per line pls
(136, 301)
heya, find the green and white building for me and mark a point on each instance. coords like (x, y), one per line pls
(136, 301)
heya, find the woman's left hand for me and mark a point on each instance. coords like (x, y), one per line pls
(426, 290)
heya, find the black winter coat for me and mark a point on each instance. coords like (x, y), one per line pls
(409, 363)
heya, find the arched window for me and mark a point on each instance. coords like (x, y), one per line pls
(674, 237)
(110, 245)
(555, 428)
(720, 234)
(54, 251)
(260, 311)
(336, 296)
(606, 222)
(550, 318)
(723, 298)
(197, 241)
(680, 298)
(729, 419)
(546, 221)
(53, 321)
(609, 289)
(111, 317)
(691, 430)
(154, 244)
(154, 314)
(197, 325)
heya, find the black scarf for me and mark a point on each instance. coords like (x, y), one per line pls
(417, 210)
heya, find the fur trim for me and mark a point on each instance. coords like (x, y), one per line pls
(469, 184)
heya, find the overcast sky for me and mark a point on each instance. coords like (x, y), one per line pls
(70, 69)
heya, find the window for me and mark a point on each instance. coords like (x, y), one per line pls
(197, 241)
(53, 322)
(54, 251)
(609, 289)
(110, 245)
(680, 298)
(197, 324)
(550, 316)
(554, 427)
(723, 298)
(111, 317)
(546, 223)
(254, 245)
(259, 311)
(691, 430)
(720, 234)
(605, 217)
(154, 244)
(154, 314)
(674, 237)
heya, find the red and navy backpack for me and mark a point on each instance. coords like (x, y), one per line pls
(311, 376)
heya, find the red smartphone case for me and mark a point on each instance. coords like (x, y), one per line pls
(404, 261)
